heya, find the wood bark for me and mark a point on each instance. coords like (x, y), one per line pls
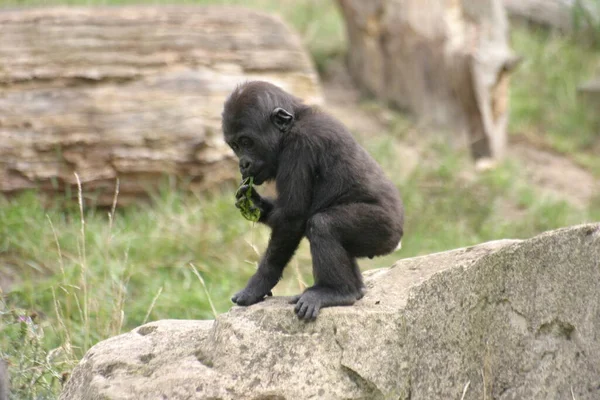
(447, 62)
(133, 93)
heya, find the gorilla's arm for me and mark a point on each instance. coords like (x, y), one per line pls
(287, 218)
(285, 238)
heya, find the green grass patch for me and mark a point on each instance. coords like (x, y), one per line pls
(586, 21)
(544, 103)
(87, 282)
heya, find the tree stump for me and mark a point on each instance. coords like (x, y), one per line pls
(133, 93)
(447, 62)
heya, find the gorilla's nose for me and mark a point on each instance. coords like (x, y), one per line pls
(245, 164)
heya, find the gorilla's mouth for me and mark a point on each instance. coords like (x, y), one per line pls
(259, 178)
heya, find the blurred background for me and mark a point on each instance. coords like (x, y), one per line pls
(117, 191)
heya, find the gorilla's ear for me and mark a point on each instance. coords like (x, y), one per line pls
(282, 119)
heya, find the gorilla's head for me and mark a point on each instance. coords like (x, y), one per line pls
(256, 117)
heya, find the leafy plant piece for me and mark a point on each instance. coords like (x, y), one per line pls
(245, 204)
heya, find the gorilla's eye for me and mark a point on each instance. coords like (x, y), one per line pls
(234, 147)
(246, 142)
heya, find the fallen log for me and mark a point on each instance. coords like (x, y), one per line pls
(133, 93)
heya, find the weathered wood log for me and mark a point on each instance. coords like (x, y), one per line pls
(559, 14)
(131, 92)
(448, 62)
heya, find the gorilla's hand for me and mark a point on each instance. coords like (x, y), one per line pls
(249, 296)
(247, 192)
(242, 193)
(259, 286)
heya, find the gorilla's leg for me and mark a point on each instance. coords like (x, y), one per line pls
(337, 236)
(366, 230)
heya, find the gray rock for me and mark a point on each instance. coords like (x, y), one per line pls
(501, 320)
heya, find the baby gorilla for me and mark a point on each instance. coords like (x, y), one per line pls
(329, 190)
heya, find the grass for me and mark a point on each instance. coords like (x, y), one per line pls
(86, 285)
(544, 104)
(87, 274)
(586, 21)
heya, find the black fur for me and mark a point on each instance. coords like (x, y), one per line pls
(329, 190)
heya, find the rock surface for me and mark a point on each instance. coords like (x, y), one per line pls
(503, 320)
(132, 92)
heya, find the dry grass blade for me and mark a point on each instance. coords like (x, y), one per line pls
(83, 257)
(301, 284)
(60, 256)
(81, 216)
(111, 214)
(67, 343)
(118, 313)
(152, 305)
(464, 393)
(252, 245)
(212, 306)
(484, 385)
